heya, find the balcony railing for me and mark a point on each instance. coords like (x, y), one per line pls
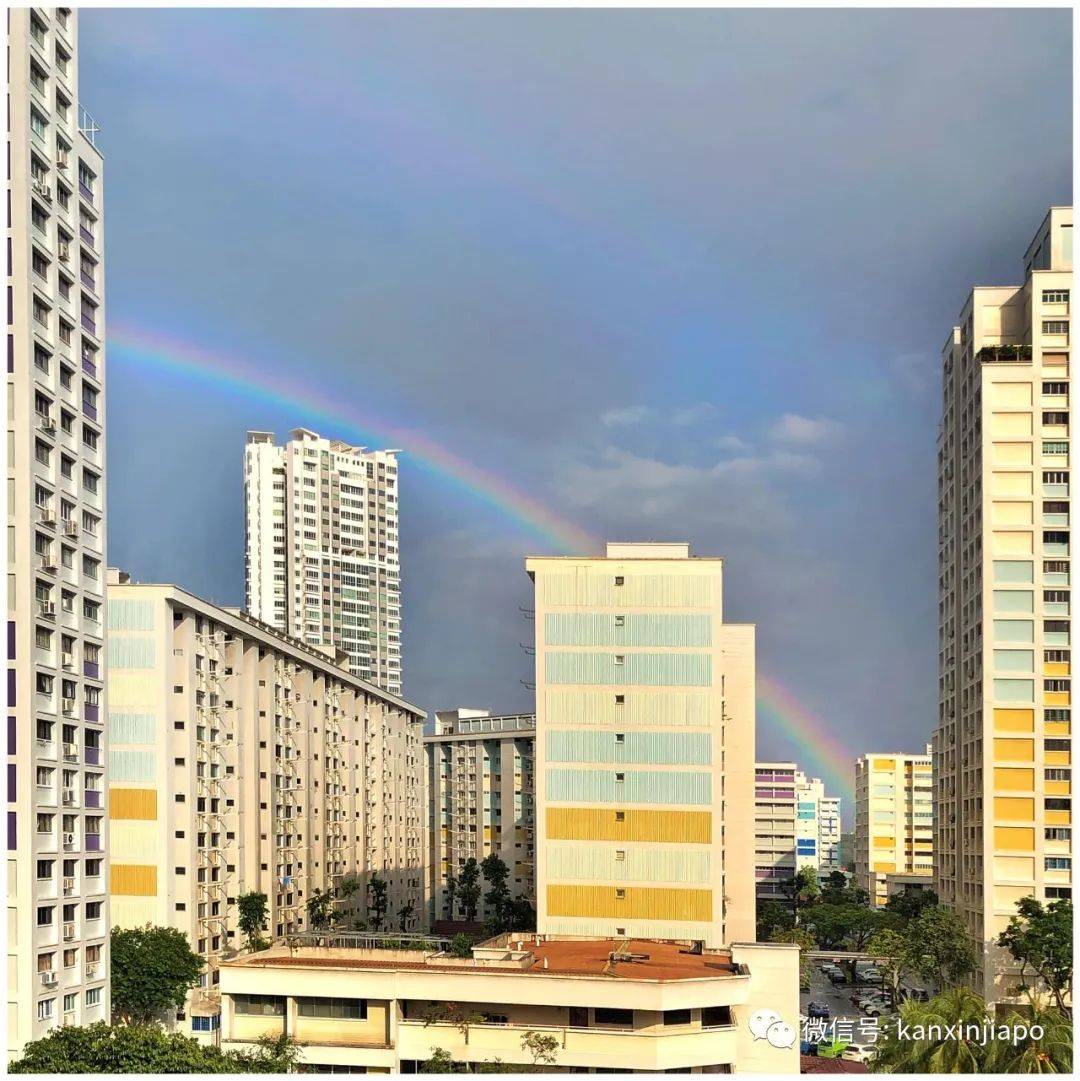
(88, 323)
(89, 367)
(992, 354)
(88, 126)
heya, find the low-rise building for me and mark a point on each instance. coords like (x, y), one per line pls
(610, 1005)
(480, 801)
(242, 760)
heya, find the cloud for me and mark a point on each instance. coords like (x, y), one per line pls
(805, 431)
(625, 416)
(694, 414)
(730, 442)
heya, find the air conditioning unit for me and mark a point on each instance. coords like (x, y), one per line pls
(91, 970)
(71, 751)
(47, 516)
(68, 660)
(48, 979)
(47, 564)
(47, 422)
(61, 159)
(69, 1020)
(71, 528)
(69, 886)
(41, 188)
(47, 609)
(69, 842)
(64, 248)
(68, 797)
(69, 932)
(68, 706)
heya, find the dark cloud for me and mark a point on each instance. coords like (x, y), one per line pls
(675, 273)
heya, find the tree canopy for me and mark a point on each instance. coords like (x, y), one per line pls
(1040, 940)
(151, 971)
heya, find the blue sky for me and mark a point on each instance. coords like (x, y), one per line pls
(679, 274)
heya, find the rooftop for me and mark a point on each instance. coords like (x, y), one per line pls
(633, 959)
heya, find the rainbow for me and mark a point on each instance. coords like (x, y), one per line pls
(825, 756)
(140, 348)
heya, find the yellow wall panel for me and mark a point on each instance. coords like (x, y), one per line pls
(1057, 728)
(1014, 807)
(600, 824)
(1014, 780)
(1014, 720)
(1011, 512)
(1056, 698)
(884, 764)
(636, 902)
(884, 842)
(1058, 818)
(1055, 668)
(1019, 837)
(1057, 788)
(884, 868)
(1012, 542)
(133, 879)
(140, 803)
(1058, 758)
(1014, 750)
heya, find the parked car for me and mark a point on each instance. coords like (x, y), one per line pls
(868, 996)
(818, 1010)
(839, 976)
(871, 976)
(857, 1053)
(874, 1008)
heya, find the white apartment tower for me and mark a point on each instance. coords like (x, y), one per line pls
(58, 915)
(322, 561)
(1002, 755)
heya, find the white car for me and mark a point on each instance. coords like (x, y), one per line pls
(856, 1053)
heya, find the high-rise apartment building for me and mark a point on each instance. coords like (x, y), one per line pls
(1002, 767)
(795, 826)
(322, 560)
(480, 801)
(58, 912)
(242, 760)
(644, 748)
(894, 820)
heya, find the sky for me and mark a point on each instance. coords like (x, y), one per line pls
(676, 275)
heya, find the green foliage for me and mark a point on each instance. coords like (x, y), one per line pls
(1040, 940)
(801, 889)
(151, 971)
(440, 1062)
(909, 904)
(461, 946)
(377, 901)
(889, 947)
(542, 1047)
(497, 898)
(1051, 1052)
(348, 886)
(320, 909)
(145, 1049)
(451, 1013)
(468, 888)
(252, 921)
(772, 918)
(938, 947)
(404, 915)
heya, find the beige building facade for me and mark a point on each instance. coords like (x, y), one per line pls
(321, 557)
(57, 871)
(644, 748)
(1002, 747)
(611, 1006)
(243, 761)
(480, 801)
(894, 820)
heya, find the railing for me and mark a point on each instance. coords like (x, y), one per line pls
(367, 940)
(994, 353)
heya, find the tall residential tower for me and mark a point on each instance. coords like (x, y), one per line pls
(1001, 749)
(644, 748)
(58, 917)
(321, 560)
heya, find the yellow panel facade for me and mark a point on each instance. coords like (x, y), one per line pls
(1008, 779)
(1014, 720)
(1014, 807)
(604, 824)
(1014, 750)
(1014, 837)
(137, 803)
(135, 880)
(631, 902)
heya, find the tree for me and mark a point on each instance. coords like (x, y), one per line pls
(888, 947)
(441, 1061)
(451, 1013)
(522, 915)
(468, 889)
(939, 948)
(496, 873)
(1052, 1052)
(801, 889)
(461, 946)
(377, 900)
(252, 908)
(451, 893)
(320, 910)
(404, 915)
(1040, 941)
(909, 903)
(101, 1049)
(151, 971)
(542, 1047)
(772, 917)
(905, 1053)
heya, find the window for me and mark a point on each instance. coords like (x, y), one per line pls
(620, 580)
(620, 894)
(259, 1005)
(93, 996)
(40, 127)
(45, 1008)
(607, 1016)
(45, 870)
(620, 621)
(716, 1016)
(676, 1017)
(1055, 296)
(350, 1009)
(1055, 326)
(620, 658)
(93, 908)
(206, 1024)
(1058, 833)
(1058, 774)
(1055, 388)
(1058, 863)
(45, 915)
(1055, 448)
(1055, 417)
(620, 816)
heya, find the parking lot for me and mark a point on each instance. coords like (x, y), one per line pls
(846, 1022)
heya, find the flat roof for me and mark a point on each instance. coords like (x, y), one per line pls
(641, 960)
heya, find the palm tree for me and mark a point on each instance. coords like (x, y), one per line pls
(1051, 1053)
(960, 1005)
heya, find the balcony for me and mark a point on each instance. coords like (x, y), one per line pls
(89, 367)
(996, 354)
(92, 669)
(88, 323)
(93, 756)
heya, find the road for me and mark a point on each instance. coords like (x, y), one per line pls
(850, 1024)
